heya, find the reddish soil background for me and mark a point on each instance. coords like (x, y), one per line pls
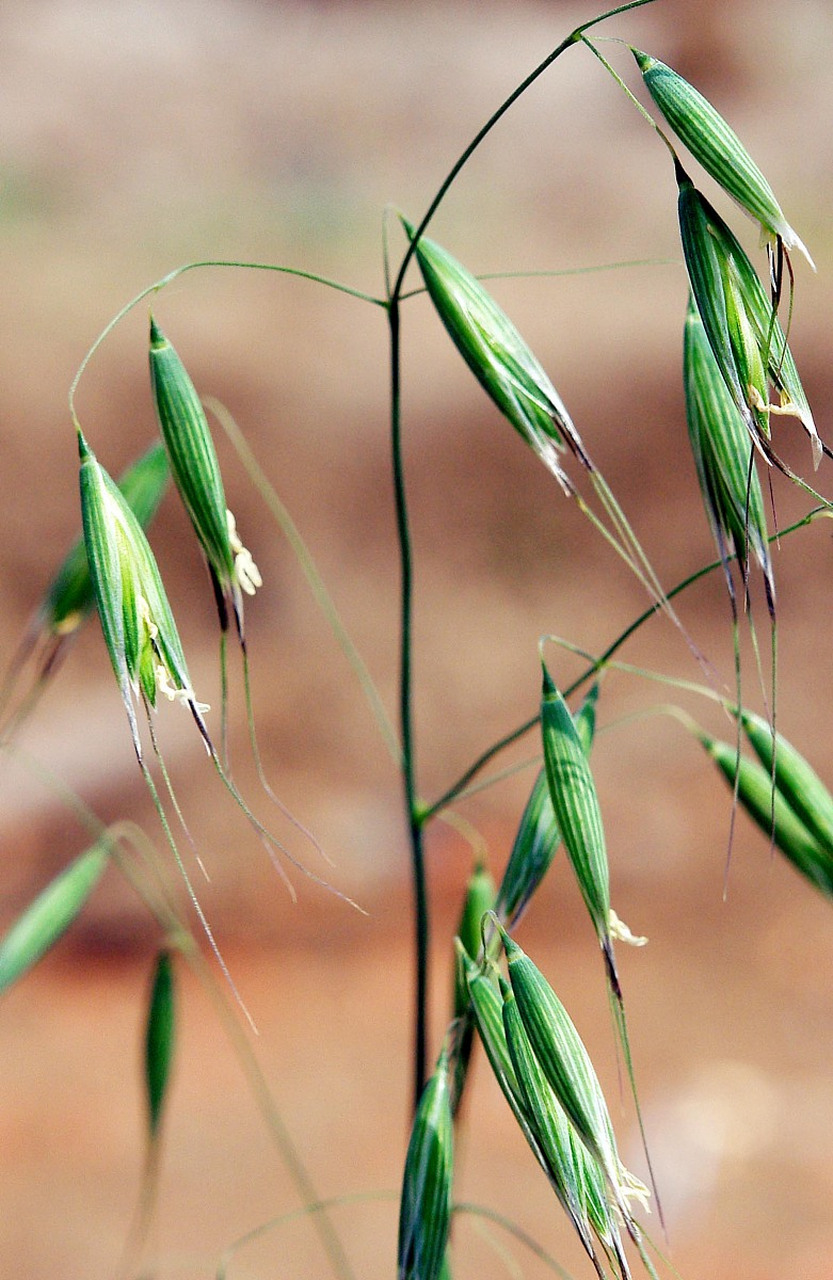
(135, 138)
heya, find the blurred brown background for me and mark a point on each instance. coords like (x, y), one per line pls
(137, 136)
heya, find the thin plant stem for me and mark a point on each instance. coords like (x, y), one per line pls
(160, 284)
(415, 813)
(454, 791)
(573, 38)
(412, 811)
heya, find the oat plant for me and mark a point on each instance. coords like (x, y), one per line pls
(740, 380)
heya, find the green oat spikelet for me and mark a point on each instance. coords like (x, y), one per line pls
(425, 1205)
(136, 619)
(567, 1067)
(717, 147)
(722, 449)
(538, 836)
(745, 335)
(517, 383)
(779, 822)
(795, 779)
(69, 598)
(479, 899)
(48, 917)
(578, 815)
(549, 1124)
(503, 364)
(196, 473)
(487, 1005)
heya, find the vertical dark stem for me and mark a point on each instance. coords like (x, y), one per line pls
(415, 826)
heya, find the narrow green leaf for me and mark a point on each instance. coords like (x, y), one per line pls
(159, 1039)
(50, 915)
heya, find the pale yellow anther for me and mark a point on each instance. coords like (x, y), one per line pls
(174, 694)
(147, 617)
(245, 570)
(620, 931)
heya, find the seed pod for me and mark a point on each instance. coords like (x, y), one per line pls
(577, 813)
(45, 920)
(69, 597)
(717, 147)
(722, 450)
(538, 837)
(136, 620)
(499, 357)
(425, 1207)
(746, 338)
(778, 821)
(567, 1067)
(159, 1039)
(798, 783)
(196, 473)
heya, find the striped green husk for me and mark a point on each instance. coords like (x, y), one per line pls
(136, 619)
(498, 356)
(746, 338)
(576, 808)
(547, 1120)
(716, 146)
(159, 1039)
(479, 899)
(722, 452)
(487, 1006)
(796, 780)
(141, 580)
(564, 1061)
(192, 456)
(538, 836)
(778, 821)
(69, 597)
(49, 916)
(104, 559)
(425, 1206)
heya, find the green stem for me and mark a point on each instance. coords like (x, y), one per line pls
(453, 792)
(413, 814)
(573, 38)
(194, 266)
(416, 814)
